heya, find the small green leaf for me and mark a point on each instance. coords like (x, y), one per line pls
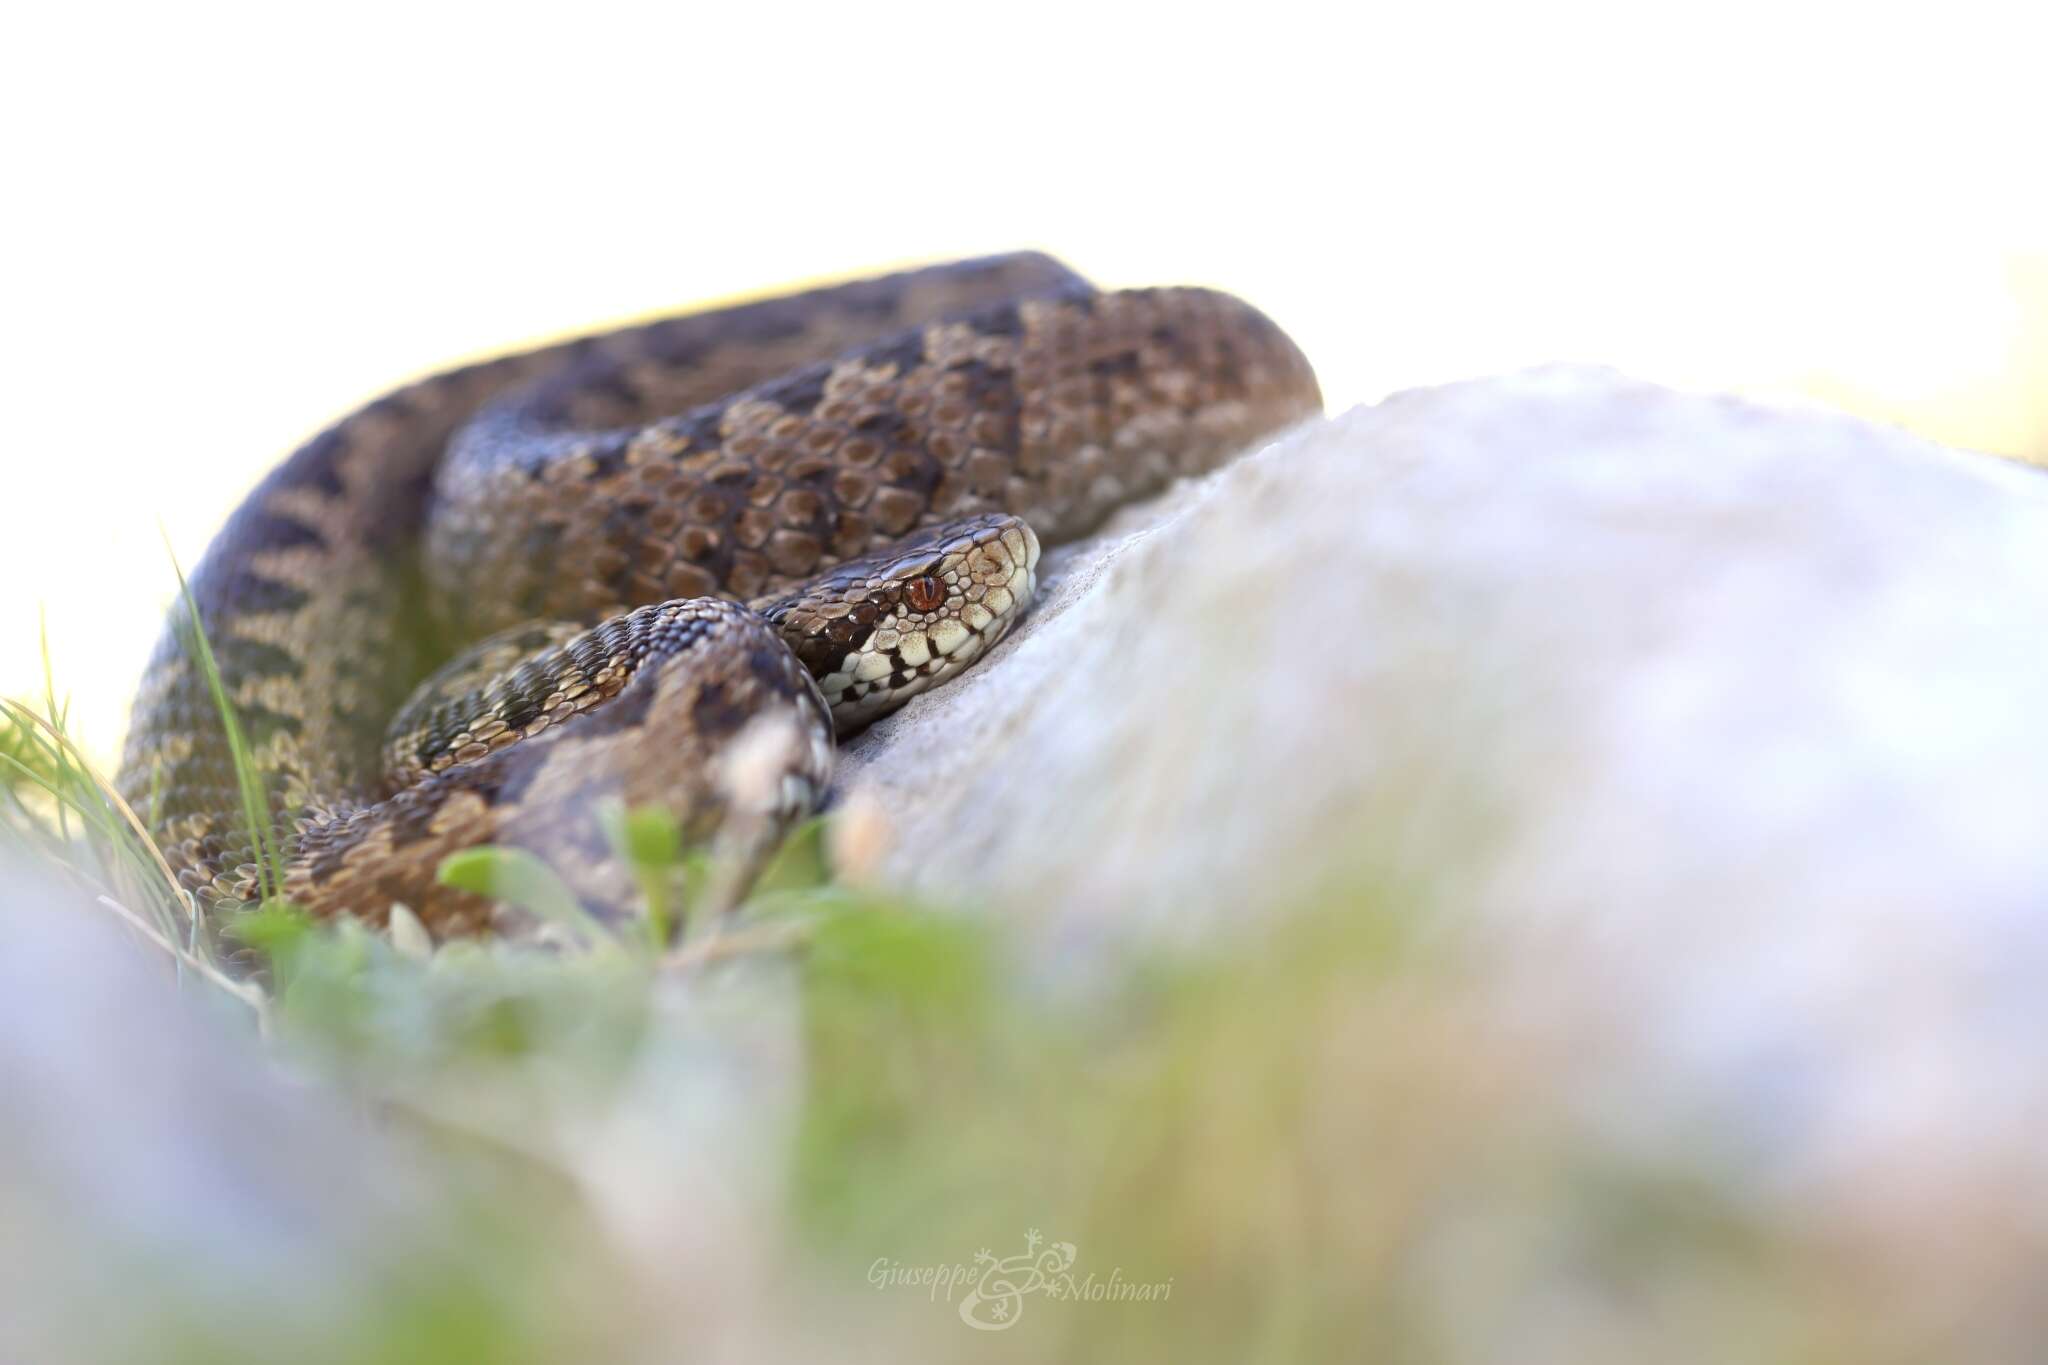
(800, 863)
(650, 842)
(276, 929)
(647, 836)
(519, 878)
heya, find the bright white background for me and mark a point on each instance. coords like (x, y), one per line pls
(226, 225)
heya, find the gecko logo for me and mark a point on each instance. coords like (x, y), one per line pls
(997, 1299)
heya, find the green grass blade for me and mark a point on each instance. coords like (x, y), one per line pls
(255, 797)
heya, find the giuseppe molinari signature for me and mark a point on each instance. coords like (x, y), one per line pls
(996, 1287)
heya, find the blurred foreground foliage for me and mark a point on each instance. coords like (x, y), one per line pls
(1308, 1137)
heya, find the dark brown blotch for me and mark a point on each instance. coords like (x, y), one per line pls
(317, 464)
(904, 353)
(265, 530)
(251, 594)
(717, 711)
(801, 392)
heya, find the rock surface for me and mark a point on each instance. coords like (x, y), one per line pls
(1721, 723)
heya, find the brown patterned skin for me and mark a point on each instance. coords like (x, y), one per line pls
(736, 455)
(692, 676)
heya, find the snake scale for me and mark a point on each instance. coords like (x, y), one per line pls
(593, 566)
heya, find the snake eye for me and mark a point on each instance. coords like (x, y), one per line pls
(925, 592)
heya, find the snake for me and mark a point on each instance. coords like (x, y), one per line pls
(486, 606)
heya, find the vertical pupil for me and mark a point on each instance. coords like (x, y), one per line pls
(924, 593)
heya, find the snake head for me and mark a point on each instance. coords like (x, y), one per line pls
(880, 629)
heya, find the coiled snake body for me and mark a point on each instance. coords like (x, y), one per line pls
(621, 550)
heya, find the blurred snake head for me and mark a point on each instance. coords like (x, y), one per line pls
(880, 629)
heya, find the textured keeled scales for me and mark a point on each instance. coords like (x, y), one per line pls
(739, 454)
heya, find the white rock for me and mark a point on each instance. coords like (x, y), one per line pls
(1724, 725)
